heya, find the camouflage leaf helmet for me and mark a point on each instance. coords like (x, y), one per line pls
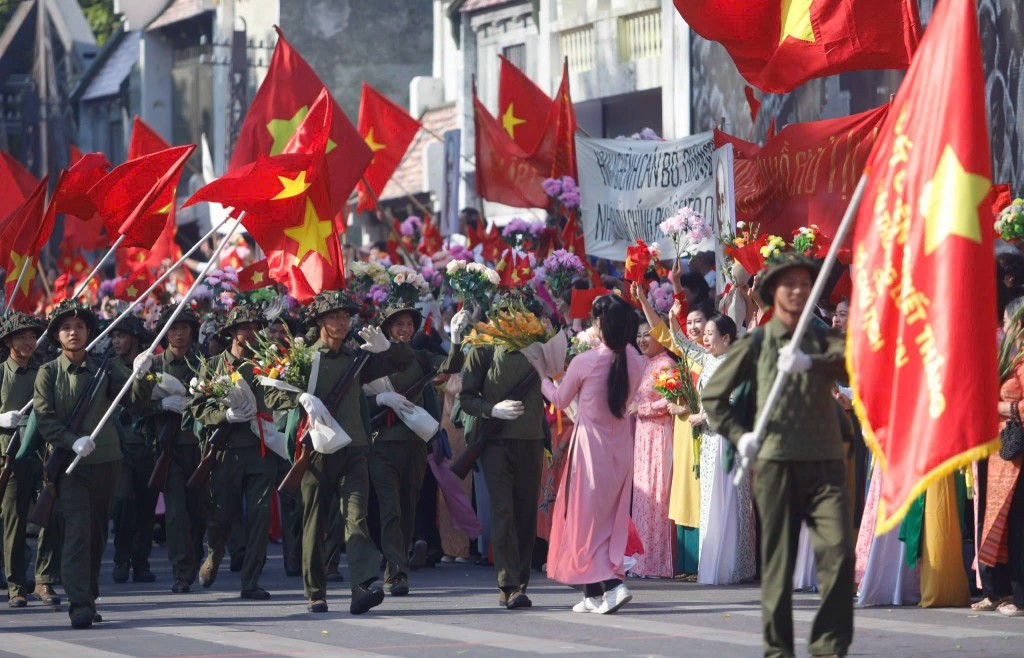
(16, 322)
(134, 325)
(187, 315)
(394, 310)
(243, 313)
(329, 301)
(769, 279)
(70, 308)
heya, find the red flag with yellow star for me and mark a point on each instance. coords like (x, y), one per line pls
(388, 130)
(430, 240)
(555, 153)
(132, 199)
(22, 236)
(281, 103)
(16, 182)
(83, 227)
(514, 269)
(504, 173)
(778, 45)
(288, 206)
(523, 108)
(130, 287)
(254, 277)
(925, 381)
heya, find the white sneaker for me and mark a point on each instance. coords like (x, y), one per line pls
(614, 600)
(588, 604)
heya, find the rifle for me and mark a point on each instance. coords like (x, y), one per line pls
(216, 444)
(293, 480)
(410, 393)
(9, 455)
(158, 478)
(61, 458)
(464, 464)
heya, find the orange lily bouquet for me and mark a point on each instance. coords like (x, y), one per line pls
(676, 385)
(513, 328)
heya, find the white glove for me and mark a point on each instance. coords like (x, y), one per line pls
(242, 413)
(173, 403)
(10, 419)
(508, 410)
(84, 446)
(792, 361)
(376, 341)
(315, 408)
(460, 321)
(142, 364)
(395, 401)
(748, 446)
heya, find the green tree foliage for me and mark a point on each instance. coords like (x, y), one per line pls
(99, 13)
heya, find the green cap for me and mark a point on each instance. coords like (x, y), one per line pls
(769, 278)
(16, 322)
(393, 311)
(70, 308)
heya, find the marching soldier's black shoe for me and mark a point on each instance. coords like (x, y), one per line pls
(519, 599)
(81, 620)
(208, 572)
(363, 599)
(256, 594)
(317, 606)
(97, 618)
(120, 573)
(146, 576)
(399, 585)
(181, 587)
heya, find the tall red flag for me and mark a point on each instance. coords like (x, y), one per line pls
(83, 227)
(925, 382)
(523, 108)
(388, 130)
(804, 175)
(555, 154)
(430, 242)
(779, 45)
(16, 182)
(281, 103)
(22, 237)
(132, 198)
(504, 173)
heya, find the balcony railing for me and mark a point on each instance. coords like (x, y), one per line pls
(640, 36)
(578, 45)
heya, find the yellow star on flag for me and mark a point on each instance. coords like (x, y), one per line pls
(292, 187)
(509, 121)
(949, 202)
(132, 291)
(283, 129)
(796, 20)
(257, 277)
(311, 235)
(372, 143)
(20, 263)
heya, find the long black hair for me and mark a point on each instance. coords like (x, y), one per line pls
(619, 325)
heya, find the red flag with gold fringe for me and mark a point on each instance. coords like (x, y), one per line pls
(925, 381)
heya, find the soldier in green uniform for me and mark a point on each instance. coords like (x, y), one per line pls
(135, 502)
(245, 468)
(185, 515)
(343, 472)
(511, 459)
(398, 456)
(799, 470)
(19, 333)
(85, 498)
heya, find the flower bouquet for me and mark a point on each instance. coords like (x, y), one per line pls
(745, 247)
(291, 365)
(367, 275)
(661, 296)
(772, 249)
(511, 328)
(165, 385)
(407, 285)
(216, 383)
(809, 241)
(1010, 354)
(687, 229)
(564, 190)
(1010, 224)
(473, 284)
(522, 234)
(582, 342)
(560, 269)
(675, 384)
(218, 289)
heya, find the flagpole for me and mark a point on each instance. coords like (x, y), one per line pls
(182, 305)
(99, 264)
(805, 319)
(163, 277)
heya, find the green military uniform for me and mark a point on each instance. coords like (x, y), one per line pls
(342, 473)
(398, 457)
(799, 475)
(185, 509)
(134, 503)
(17, 384)
(243, 469)
(85, 497)
(512, 458)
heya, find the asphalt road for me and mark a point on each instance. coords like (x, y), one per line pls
(452, 611)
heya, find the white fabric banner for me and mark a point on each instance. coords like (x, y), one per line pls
(628, 187)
